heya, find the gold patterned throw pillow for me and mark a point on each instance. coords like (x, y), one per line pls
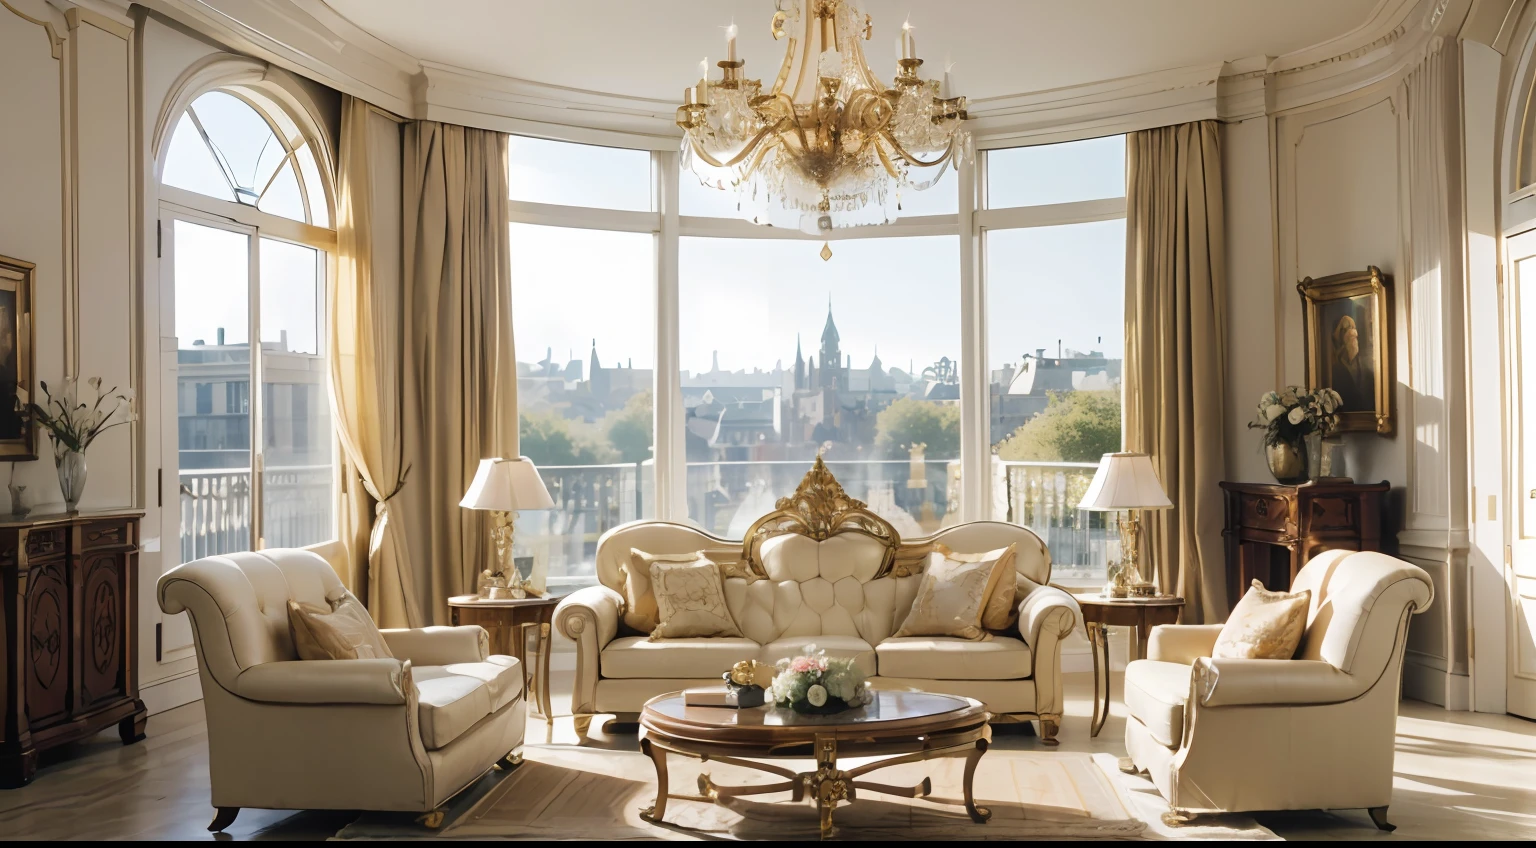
(345, 632)
(690, 600)
(1264, 625)
(639, 600)
(1000, 611)
(951, 598)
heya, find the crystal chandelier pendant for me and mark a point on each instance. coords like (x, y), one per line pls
(836, 148)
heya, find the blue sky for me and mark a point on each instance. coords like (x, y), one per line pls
(747, 298)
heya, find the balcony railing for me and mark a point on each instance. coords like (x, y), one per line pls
(216, 509)
(726, 497)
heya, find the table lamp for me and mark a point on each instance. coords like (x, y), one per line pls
(1127, 481)
(505, 486)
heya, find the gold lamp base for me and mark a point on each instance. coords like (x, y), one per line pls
(1136, 584)
(505, 583)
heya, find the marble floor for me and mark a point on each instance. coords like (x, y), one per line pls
(1459, 776)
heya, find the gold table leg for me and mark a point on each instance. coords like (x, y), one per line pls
(979, 815)
(1098, 645)
(658, 757)
(828, 785)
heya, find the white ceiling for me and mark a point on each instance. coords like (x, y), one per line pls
(998, 47)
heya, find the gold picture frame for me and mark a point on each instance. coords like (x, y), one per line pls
(1347, 323)
(17, 343)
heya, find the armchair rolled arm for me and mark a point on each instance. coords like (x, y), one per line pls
(1182, 643)
(1237, 682)
(439, 645)
(1047, 612)
(591, 612)
(372, 681)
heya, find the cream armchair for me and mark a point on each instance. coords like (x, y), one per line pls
(1314, 732)
(403, 734)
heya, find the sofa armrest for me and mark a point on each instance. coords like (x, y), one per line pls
(590, 618)
(1240, 682)
(1182, 643)
(439, 645)
(372, 681)
(1046, 617)
(1047, 611)
(591, 612)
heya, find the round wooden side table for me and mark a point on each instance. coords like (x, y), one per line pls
(1101, 613)
(508, 623)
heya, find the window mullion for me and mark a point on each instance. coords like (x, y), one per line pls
(975, 442)
(258, 455)
(671, 447)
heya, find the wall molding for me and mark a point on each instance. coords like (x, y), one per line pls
(55, 39)
(309, 38)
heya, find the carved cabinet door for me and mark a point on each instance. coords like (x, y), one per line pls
(47, 645)
(100, 651)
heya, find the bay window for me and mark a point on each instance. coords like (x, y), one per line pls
(677, 362)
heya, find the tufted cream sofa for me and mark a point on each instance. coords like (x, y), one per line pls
(401, 734)
(821, 570)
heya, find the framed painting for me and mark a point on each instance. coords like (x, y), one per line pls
(16, 358)
(1347, 320)
(16, 348)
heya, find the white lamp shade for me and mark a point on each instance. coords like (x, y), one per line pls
(507, 485)
(1125, 481)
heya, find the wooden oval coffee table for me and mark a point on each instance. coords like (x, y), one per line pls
(901, 727)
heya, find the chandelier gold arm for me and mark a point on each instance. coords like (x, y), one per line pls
(890, 167)
(789, 62)
(913, 160)
(805, 56)
(746, 150)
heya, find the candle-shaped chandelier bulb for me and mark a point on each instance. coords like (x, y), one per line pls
(730, 42)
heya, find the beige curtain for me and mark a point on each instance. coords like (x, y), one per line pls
(1175, 351)
(365, 380)
(460, 374)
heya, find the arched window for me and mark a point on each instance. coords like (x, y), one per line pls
(232, 146)
(245, 244)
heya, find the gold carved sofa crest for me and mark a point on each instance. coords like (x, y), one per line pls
(819, 509)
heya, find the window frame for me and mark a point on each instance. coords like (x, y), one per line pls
(972, 222)
(177, 203)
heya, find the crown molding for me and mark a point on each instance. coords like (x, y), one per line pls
(308, 38)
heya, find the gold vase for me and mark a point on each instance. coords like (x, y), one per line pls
(1288, 462)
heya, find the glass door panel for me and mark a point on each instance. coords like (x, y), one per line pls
(297, 493)
(213, 388)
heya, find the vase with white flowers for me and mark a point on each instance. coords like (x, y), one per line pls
(73, 424)
(1294, 422)
(819, 685)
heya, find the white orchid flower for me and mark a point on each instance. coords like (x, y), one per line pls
(1297, 415)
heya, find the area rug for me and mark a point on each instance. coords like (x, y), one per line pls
(567, 792)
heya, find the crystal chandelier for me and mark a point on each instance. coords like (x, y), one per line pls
(834, 149)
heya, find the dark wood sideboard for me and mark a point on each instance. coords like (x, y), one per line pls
(70, 638)
(1272, 530)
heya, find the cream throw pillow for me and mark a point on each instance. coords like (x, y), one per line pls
(1000, 611)
(639, 600)
(690, 600)
(1264, 625)
(344, 632)
(951, 598)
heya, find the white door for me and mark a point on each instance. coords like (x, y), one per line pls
(1520, 572)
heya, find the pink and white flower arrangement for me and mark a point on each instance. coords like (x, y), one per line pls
(816, 683)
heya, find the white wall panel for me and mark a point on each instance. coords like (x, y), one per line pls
(32, 214)
(104, 210)
(1251, 325)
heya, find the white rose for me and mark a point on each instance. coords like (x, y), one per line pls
(1274, 412)
(1297, 415)
(817, 695)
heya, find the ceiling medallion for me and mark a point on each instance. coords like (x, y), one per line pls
(835, 149)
